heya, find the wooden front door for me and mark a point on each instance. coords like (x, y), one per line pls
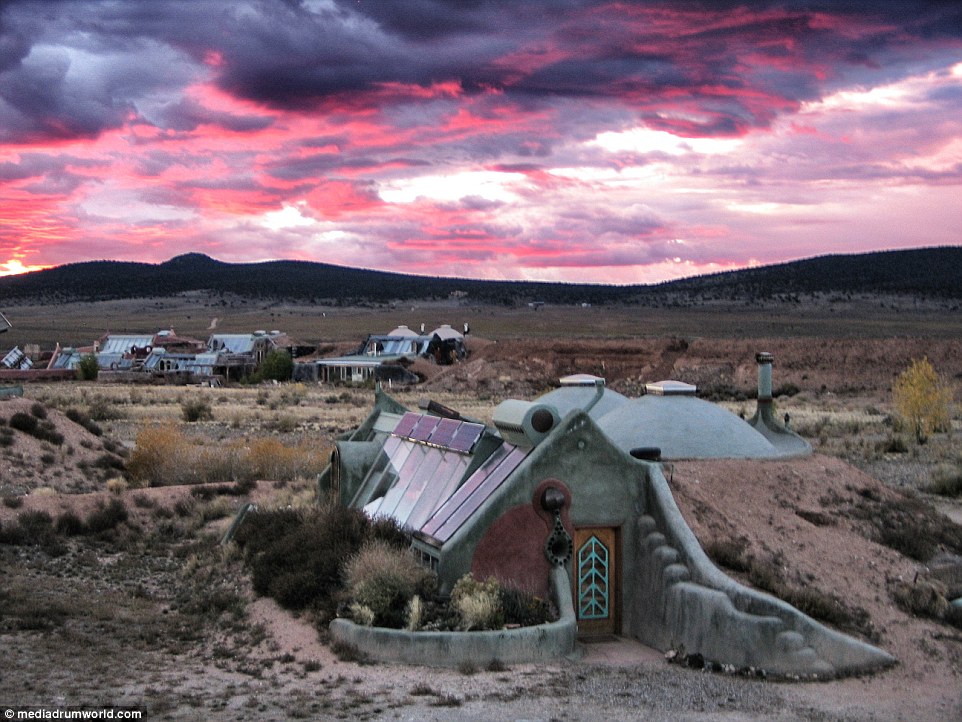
(597, 581)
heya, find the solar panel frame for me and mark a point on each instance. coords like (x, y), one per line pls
(425, 427)
(466, 437)
(445, 432)
(407, 423)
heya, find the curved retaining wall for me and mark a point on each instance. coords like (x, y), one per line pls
(684, 601)
(540, 643)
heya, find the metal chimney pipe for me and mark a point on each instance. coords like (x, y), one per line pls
(763, 408)
(765, 361)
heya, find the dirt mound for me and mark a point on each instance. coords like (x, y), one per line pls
(815, 525)
(43, 447)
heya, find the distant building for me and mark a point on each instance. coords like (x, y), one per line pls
(385, 357)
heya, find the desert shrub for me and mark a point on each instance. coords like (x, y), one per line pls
(101, 408)
(32, 528)
(24, 422)
(300, 564)
(521, 607)
(347, 652)
(477, 604)
(217, 509)
(946, 480)
(384, 578)
(159, 456)
(80, 418)
(922, 400)
(38, 410)
(362, 614)
(42, 429)
(728, 553)
(298, 557)
(414, 614)
(109, 462)
(88, 368)
(211, 464)
(6, 436)
(923, 598)
(268, 458)
(117, 485)
(196, 409)
(12, 502)
(893, 444)
(69, 524)
(284, 424)
(209, 491)
(106, 517)
(787, 389)
(142, 501)
(264, 528)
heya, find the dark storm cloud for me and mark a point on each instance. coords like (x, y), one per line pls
(301, 55)
(187, 115)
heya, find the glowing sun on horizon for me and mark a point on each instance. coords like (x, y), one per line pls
(14, 267)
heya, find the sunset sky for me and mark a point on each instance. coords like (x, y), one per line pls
(571, 140)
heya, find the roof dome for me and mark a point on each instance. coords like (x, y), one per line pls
(404, 332)
(685, 427)
(568, 398)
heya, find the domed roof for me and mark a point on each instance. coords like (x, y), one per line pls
(684, 427)
(568, 398)
(403, 332)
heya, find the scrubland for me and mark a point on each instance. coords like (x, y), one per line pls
(117, 590)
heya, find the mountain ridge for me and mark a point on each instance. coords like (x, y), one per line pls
(934, 272)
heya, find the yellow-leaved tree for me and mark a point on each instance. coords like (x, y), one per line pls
(922, 400)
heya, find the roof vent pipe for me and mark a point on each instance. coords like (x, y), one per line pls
(764, 403)
(599, 393)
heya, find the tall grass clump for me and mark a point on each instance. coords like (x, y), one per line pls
(159, 456)
(477, 604)
(947, 479)
(195, 409)
(268, 458)
(163, 455)
(382, 579)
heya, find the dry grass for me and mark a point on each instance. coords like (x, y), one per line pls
(164, 456)
(383, 579)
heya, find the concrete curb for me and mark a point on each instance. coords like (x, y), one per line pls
(541, 643)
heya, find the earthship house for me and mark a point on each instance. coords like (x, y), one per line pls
(566, 496)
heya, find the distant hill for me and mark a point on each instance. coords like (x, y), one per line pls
(924, 273)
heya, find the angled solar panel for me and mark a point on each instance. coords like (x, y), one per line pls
(460, 436)
(473, 493)
(406, 424)
(425, 427)
(466, 437)
(444, 432)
